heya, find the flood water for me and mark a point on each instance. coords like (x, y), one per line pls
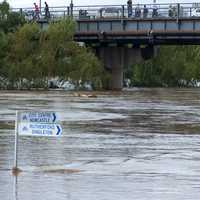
(142, 144)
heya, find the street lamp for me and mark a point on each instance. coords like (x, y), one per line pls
(71, 8)
(40, 4)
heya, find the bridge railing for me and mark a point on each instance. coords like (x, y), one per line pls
(173, 10)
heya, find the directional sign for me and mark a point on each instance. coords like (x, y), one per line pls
(37, 117)
(35, 123)
(35, 129)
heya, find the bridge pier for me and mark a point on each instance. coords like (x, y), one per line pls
(113, 60)
(116, 59)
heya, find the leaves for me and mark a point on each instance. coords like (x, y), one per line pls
(173, 66)
(40, 54)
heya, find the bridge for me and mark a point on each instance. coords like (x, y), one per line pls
(122, 35)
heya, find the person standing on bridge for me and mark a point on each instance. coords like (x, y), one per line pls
(130, 8)
(145, 11)
(46, 9)
(37, 12)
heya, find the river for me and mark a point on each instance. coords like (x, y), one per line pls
(141, 144)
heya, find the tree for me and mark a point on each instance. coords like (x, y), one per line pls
(36, 55)
(3, 51)
(66, 58)
(9, 21)
(174, 66)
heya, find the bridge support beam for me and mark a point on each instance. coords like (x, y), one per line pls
(115, 60)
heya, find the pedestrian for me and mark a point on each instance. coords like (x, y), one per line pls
(137, 11)
(170, 11)
(174, 10)
(37, 12)
(155, 11)
(46, 9)
(130, 8)
(145, 11)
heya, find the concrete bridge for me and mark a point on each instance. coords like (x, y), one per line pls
(122, 35)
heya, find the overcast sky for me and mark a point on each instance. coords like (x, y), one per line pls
(29, 3)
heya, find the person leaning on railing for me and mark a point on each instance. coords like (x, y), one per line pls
(145, 11)
(130, 8)
(137, 11)
(155, 11)
(172, 12)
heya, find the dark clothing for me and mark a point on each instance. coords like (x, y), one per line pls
(130, 8)
(155, 12)
(47, 13)
(145, 12)
(170, 12)
(137, 12)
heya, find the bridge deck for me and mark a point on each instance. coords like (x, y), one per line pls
(140, 31)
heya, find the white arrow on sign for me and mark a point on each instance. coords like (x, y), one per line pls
(34, 129)
(38, 117)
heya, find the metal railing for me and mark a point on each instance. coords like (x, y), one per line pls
(173, 10)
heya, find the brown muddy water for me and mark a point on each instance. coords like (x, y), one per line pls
(142, 144)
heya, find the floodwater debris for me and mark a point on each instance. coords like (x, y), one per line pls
(85, 95)
(16, 171)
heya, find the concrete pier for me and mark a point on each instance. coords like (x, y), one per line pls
(116, 60)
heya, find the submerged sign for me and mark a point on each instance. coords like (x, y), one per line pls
(43, 124)
(31, 129)
(38, 117)
(38, 124)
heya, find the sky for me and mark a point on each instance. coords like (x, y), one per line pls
(29, 3)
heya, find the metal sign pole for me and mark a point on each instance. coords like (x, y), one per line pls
(40, 4)
(16, 143)
(15, 191)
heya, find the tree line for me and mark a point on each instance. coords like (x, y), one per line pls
(174, 66)
(30, 56)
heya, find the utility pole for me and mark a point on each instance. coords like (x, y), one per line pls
(71, 8)
(40, 4)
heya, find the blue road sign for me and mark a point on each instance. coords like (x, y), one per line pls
(35, 124)
(38, 117)
(36, 129)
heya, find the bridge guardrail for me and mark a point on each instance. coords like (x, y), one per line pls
(173, 10)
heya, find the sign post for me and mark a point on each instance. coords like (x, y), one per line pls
(16, 143)
(34, 123)
(40, 5)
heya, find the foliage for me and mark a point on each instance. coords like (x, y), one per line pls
(4, 10)
(9, 21)
(3, 49)
(29, 56)
(38, 55)
(23, 54)
(174, 66)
